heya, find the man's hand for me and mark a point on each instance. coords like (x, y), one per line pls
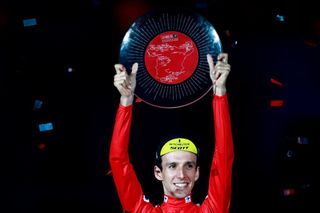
(125, 83)
(219, 73)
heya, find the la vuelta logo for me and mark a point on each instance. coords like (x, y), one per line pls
(169, 38)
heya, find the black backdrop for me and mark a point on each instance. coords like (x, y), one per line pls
(67, 168)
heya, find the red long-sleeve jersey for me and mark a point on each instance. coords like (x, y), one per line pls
(129, 188)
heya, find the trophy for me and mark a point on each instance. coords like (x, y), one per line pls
(171, 48)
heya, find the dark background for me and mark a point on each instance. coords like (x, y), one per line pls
(67, 169)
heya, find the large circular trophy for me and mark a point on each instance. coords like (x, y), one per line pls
(171, 48)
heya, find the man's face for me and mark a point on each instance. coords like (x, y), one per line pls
(179, 173)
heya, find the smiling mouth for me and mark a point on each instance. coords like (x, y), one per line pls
(181, 185)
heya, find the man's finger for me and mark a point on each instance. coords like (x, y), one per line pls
(223, 57)
(217, 75)
(119, 68)
(134, 68)
(210, 62)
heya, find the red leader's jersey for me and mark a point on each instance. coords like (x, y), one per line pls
(128, 186)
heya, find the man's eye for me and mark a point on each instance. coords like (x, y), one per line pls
(190, 166)
(172, 166)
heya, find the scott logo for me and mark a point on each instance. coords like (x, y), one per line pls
(180, 147)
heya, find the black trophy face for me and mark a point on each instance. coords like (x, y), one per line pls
(171, 48)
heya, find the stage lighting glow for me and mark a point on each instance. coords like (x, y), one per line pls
(29, 22)
(290, 153)
(37, 104)
(280, 18)
(302, 140)
(201, 5)
(289, 192)
(45, 127)
(70, 69)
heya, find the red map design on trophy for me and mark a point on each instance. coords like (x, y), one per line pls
(171, 57)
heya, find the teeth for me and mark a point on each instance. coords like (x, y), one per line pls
(181, 184)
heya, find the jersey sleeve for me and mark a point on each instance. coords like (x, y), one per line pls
(219, 191)
(125, 179)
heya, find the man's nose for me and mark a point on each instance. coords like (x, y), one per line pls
(181, 172)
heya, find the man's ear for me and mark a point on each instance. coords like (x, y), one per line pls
(158, 173)
(197, 173)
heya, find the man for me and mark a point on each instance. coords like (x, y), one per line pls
(177, 168)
